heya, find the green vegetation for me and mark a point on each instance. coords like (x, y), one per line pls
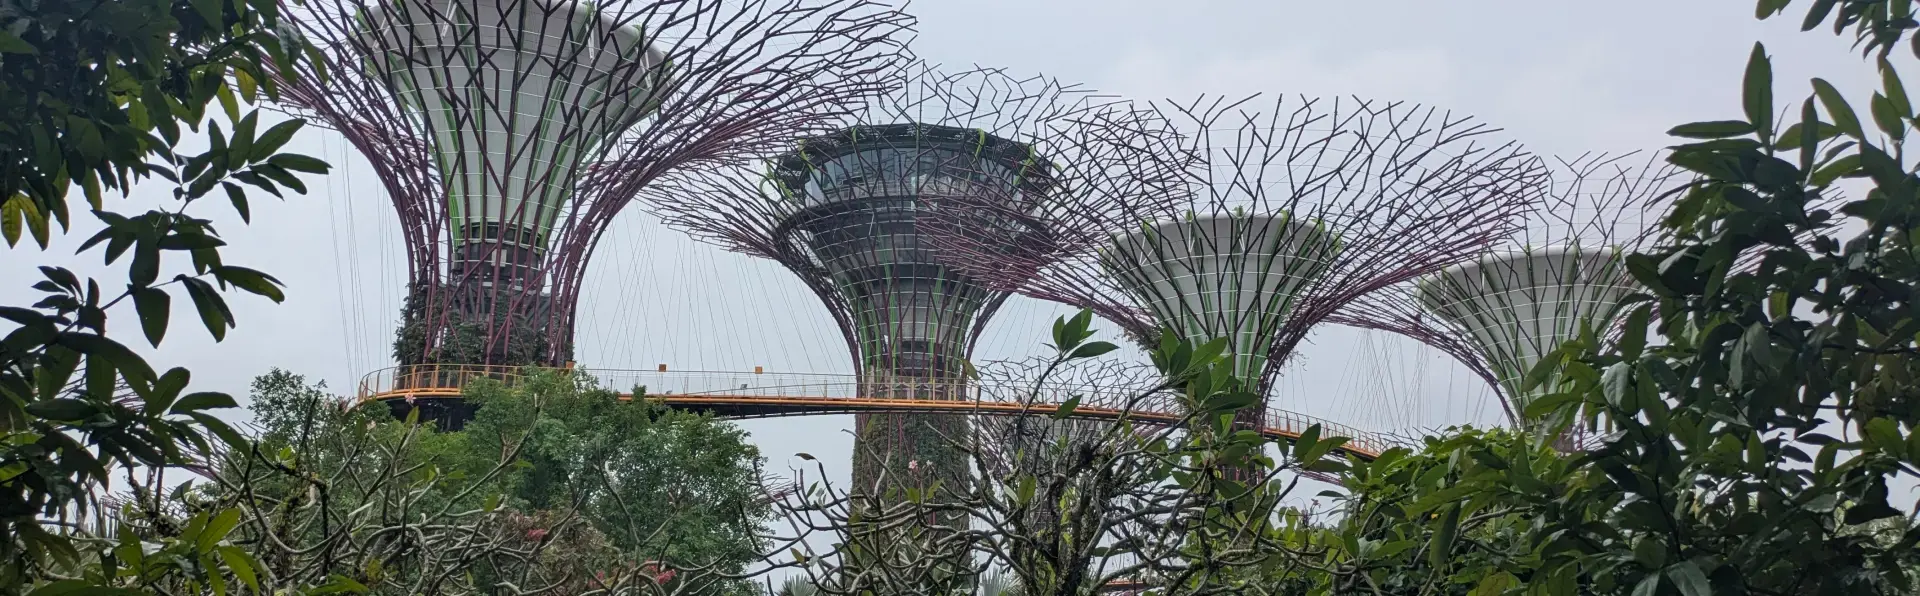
(1757, 405)
(596, 489)
(99, 95)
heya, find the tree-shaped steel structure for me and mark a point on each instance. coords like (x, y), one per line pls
(1287, 212)
(509, 133)
(846, 212)
(1563, 271)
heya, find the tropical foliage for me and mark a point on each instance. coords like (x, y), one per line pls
(96, 96)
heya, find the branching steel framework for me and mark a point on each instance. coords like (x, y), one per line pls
(509, 133)
(846, 212)
(1563, 271)
(1287, 212)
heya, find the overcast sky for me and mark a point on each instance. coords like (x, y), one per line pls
(1562, 77)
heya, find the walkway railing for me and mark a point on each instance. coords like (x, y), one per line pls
(750, 395)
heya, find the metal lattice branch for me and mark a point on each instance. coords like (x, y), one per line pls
(1287, 211)
(509, 133)
(848, 212)
(1563, 270)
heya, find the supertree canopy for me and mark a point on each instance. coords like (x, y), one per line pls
(1562, 273)
(508, 133)
(1287, 212)
(855, 198)
(847, 213)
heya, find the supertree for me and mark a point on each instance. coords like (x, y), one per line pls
(508, 133)
(845, 212)
(1287, 212)
(1563, 272)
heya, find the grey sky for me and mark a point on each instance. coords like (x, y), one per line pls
(1562, 77)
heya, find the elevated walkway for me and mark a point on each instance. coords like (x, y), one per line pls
(769, 395)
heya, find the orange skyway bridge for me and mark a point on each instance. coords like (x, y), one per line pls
(769, 395)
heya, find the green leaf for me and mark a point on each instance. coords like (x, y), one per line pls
(280, 175)
(263, 284)
(1230, 401)
(37, 227)
(228, 104)
(1543, 370)
(299, 163)
(242, 145)
(1817, 14)
(210, 11)
(111, 352)
(1884, 434)
(1690, 579)
(1633, 337)
(1887, 118)
(1614, 384)
(1895, 90)
(1648, 586)
(166, 389)
(146, 263)
(1066, 408)
(1712, 130)
(1837, 108)
(234, 440)
(1495, 585)
(153, 305)
(188, 239)
(1390, 549)
(1835, 170)
(238, 197)
(212, 308)
(1307, 439)
(1092, 349)
(12, 214)
(1440, 550)
(66, 587)
(12, 44)
(339, 584)
(1080, 327)
(1208, 353)
(1807, 138)
(217, 529)
(62, 409)
(242, 565)
(1757, 91)
(275, 138)
(1538, 408)
(204, 400)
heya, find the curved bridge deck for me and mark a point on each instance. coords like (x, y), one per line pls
(769, 395)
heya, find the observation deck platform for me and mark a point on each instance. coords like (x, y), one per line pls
(735, 395)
